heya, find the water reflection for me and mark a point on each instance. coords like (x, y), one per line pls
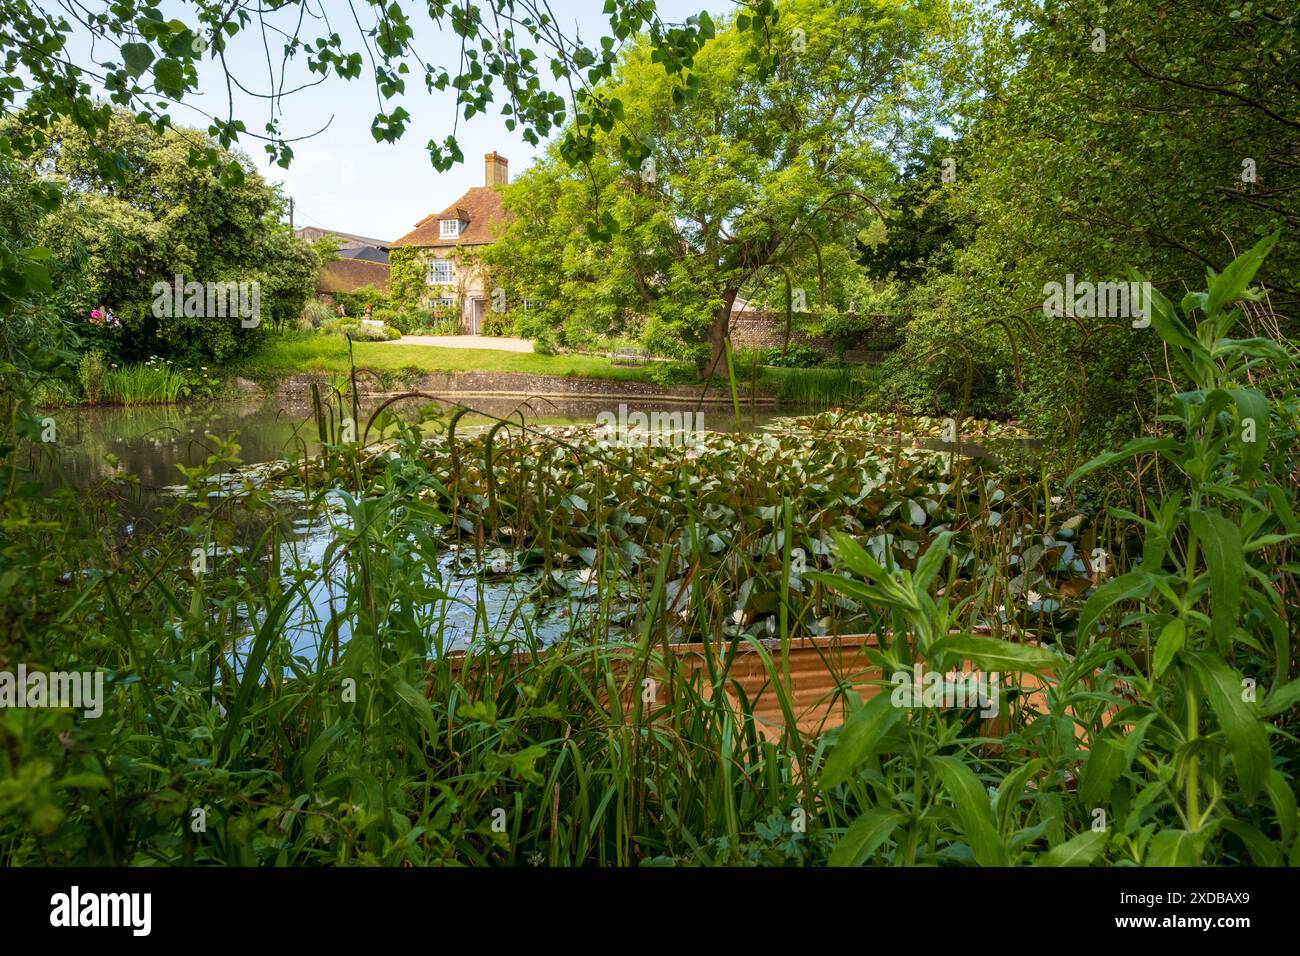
(151, 441)
(98, 446)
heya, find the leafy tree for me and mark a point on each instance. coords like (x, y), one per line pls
(1103, 136)
(160, 217)
(31, 335)
(920, 229)
(707, 197)
(146, 62)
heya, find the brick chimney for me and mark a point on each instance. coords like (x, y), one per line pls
(496, 169)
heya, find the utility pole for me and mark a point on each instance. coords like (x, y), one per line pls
(291, 214)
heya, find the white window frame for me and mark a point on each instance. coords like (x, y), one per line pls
(442, 303)
(449, 229)
(436, 266)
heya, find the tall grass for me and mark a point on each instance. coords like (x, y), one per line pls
(142, 384)
(821, 388)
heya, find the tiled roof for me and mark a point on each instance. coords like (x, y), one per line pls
(347, 239)
(480, 207)
(348, 275)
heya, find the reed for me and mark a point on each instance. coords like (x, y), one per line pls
(142, 385)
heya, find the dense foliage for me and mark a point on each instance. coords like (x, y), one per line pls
(478, 658)
(158, 216)
(310, 709)
(1096, 137)
(737, 187)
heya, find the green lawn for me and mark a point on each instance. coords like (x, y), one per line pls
(289, 354)
(329, 353)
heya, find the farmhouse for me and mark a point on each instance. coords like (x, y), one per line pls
(447, 246)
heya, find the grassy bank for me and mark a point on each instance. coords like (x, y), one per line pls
(329, 354)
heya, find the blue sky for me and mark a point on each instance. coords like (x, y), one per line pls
(342, 178)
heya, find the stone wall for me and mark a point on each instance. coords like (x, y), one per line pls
(519, 384)
(766, 330)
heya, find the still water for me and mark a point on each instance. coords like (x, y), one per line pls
(151, 441)
(486, 594)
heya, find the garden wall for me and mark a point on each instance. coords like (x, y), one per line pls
(516, 383)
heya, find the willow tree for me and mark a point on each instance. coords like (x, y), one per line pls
(702, 187)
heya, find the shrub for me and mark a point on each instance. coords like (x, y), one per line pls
(371, 333)
(315, 313)
(670, 373)
(497, 323)
(90, 372)
(355, 302)
(798, 355)
(436, 326)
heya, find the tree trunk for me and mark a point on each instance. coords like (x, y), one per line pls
(716, 363)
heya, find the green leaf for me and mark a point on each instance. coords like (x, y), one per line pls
(252, 676)
(136, 57)
(973, 809)
(1263, 851)
(1138, 446)
(930, 562)
(169, 77)
(1171, 328)
(419, 704)
(1173, 848)
(858, 738)
(992, 654)
(1241, 725)
(864, 836)
(323, 742)
(38, 277)
(1282, 795)
(1126, 587)
(1077, 851)
(1227, 287)
(1281, 699)
(1282, 508)
(1221, 545)
(85, 781)
(1170, 642)
(1106, 762)
(1254, 406)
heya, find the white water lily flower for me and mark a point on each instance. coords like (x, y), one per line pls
(738, 615)
(586, 575)
(1033, 597)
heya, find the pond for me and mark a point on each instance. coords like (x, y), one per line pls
(95, 444)
(151, 441)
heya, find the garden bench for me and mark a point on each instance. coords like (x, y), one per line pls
(629, 356)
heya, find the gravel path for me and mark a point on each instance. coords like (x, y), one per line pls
(499, 343)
